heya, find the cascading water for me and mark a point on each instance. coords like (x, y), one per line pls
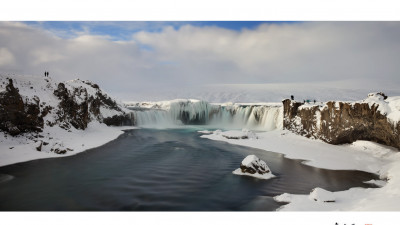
(234, 116)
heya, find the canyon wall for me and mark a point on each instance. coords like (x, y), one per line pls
(28, 104)
(337, 122)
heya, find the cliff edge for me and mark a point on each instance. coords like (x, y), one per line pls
(374, 119)
(39, 110)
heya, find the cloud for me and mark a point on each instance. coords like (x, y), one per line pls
(6, 57)
(188, 55)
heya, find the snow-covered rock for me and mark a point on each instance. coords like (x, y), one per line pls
(205, 131)
(255, 167)
(38, 114)
(375, 118)
(217, 132)
(32, 102)
(322, 195)
(237, 134)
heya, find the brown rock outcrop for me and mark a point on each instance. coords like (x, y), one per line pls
(341, 122)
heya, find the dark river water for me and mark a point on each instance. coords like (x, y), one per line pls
(161, 170)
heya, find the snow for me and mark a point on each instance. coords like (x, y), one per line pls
(389, 107)
(318, 119)
(346, 90)
(205, 131)
(379, 183)
(251, 160)
(264, 176)
(321, 195)
(237, 134)
(360, 155)
(23, 147)
(255, 163)
(285, 197)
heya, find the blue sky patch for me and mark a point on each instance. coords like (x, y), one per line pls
(123, 30)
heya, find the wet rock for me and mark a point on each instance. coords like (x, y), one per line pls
(39, 147)
(119, 120)
(255, 167)
(59, 151)
(252, 164)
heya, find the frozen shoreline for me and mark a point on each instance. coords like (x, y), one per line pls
(360, 155)
(21, 149)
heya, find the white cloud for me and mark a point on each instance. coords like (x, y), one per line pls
(6, 57)
(191, 55)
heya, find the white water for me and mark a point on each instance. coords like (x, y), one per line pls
(234, 116)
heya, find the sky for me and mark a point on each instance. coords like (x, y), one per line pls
(135, 58)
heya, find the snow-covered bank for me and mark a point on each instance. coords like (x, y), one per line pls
(42, 118)
(22, 149)
(360, 155)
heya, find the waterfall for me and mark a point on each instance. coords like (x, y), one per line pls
(190, 112)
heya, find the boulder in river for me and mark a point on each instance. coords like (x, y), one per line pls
(255, 167)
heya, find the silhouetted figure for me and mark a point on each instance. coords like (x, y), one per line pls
(45, 73)
(292, 97)
(304, 101)
(314, 101)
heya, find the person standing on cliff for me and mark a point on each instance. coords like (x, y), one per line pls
(292, 97)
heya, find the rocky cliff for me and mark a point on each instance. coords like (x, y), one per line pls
(375, 119)
(28, 104)
(17, 116)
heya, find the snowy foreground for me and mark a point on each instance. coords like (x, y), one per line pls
(21, 149)
(360, 155)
